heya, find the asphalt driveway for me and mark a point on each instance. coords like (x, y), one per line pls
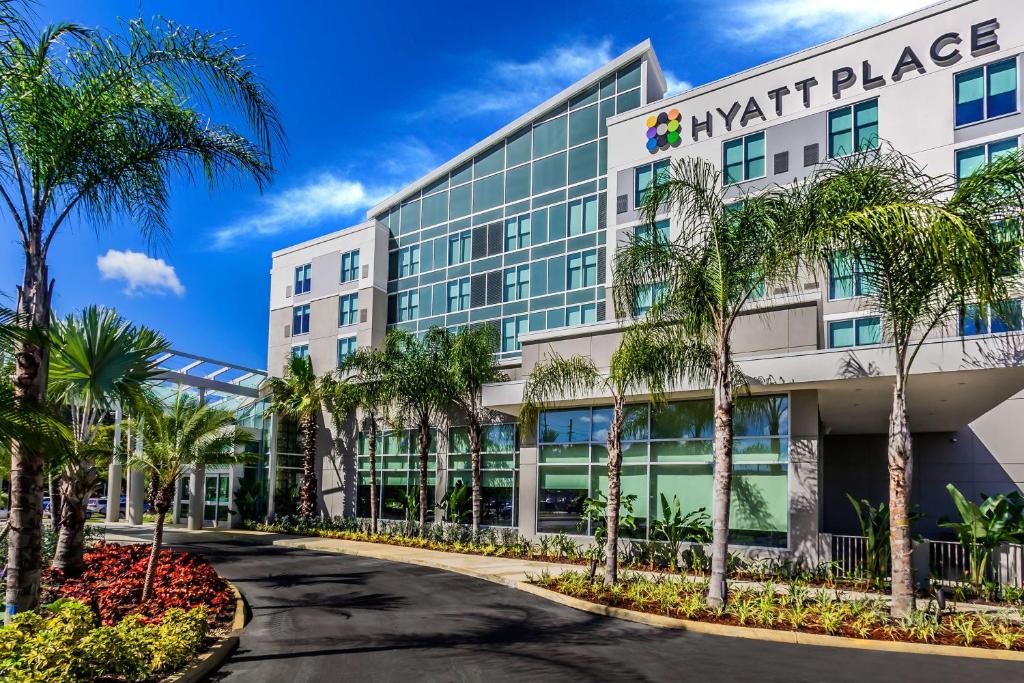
(329, 617)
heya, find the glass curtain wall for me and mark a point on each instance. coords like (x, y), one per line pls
(668, 451)
(536, 198)
(498, 471)
(398, 473)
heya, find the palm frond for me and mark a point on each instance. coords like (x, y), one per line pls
(557, 378)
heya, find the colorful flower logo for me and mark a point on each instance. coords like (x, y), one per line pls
(663, 130)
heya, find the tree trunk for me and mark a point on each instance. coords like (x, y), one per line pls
(372, 447)
(900, 469)
(56, 504)
(71, 541)
(162, 502)
(307, 491)
(718, 590)
(473, 428)
(611, 555)
(24, 559)
(424, 442)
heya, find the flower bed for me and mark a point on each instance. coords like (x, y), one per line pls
(797, 608)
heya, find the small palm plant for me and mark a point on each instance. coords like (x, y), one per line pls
(982, 529)
(454, 503)
(176, 440)
(674, 528)
(301, 395)
(595, 513)
(98, 360)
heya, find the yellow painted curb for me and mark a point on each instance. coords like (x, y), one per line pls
(210, 661)
(792, 637)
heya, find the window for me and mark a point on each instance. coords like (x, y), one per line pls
(647, 296)
(580, 315)
(346, 345)
(582, 216)
(511, 328)
(846, 279)
(302, 279)
(854, 332)
(645, 232)
(981, 319)
(644, 176)
(348, 309)
(971, 159)
(582, 270)
(517, 283)
(517, 233)
(300, 320)
(458, 295)
(301, 351)
(743, 159)
(408, 306)
(459, 248)
(350, 266)
(853, 129)
(408, 261)
(986, 92)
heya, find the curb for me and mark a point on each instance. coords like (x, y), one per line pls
(791, 637)
(210, 661)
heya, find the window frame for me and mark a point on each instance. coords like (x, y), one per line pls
(984, 68)
(348, 339)
(583, 269)
(745, 162)
(307, 278)
(463, 241)
(854, 128)
(300, 312)
(987, 149)
(409, 261)
(962, 332)
(653, 167)
(459, 284)
(352, 310)
(856, 322)
(519, 287)
(352, 272)
(409, 311)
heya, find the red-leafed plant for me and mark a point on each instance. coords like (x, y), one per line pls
(113, 579)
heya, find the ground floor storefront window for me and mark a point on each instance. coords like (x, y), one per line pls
(498, 462)
(667, 451)
(398, 475)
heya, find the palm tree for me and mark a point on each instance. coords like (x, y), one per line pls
(366, 389)
(728, 248)
(926, 247)
(473, 364)
(98, 360)
(642, 364)
(301, 395)
(93, 125)
(420, 386)
(176, 440)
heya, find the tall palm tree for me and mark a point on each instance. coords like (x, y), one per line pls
(301, 395)
(926, 247)
(175, 440)
(98, 360)
(729, 246)
(473, 364)
(420, 385)
(367, 389)
(642, 365)
(94, 125)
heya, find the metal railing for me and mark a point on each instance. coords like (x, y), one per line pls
(849, 555)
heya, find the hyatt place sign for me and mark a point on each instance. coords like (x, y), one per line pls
(944, 51)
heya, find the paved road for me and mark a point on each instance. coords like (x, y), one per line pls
(328, 617)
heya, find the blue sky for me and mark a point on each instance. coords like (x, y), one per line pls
(372, 95)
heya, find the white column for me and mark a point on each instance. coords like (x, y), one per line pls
(197, 482)
(272, 467)
(114, 473)
(136, 486)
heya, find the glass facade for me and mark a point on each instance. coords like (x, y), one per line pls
(667, 450)
(515, 236)
(397, 473)
(498, 471)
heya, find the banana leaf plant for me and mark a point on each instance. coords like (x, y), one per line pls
(982, 529)
(454, 503)
(674, 528)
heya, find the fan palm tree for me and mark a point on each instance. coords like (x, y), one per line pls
(643, 364)
(729, 247)
(98, 360)
(367, 389)
(301, 395)
(926, 247)
(473, 364)
(420, 384)
(94, 125)
(175, 440)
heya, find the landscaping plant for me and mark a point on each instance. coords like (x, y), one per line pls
(982, 529)
(674, 528)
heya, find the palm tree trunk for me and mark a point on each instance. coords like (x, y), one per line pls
(307, 492)
(424, 442)
(68, 557)
(56, 504)
(473, 427)
(611, 555)
(900, 470)
(24, 558)
(162, 502)
(372, 447)
(718, 590)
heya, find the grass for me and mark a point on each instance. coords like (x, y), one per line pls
(793, 607)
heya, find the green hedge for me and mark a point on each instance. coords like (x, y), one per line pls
(63, 643)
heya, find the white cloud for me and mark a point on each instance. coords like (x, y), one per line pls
(817, 19)
(139, 272)
(327, 196)
(515, 87)
(674, 85)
